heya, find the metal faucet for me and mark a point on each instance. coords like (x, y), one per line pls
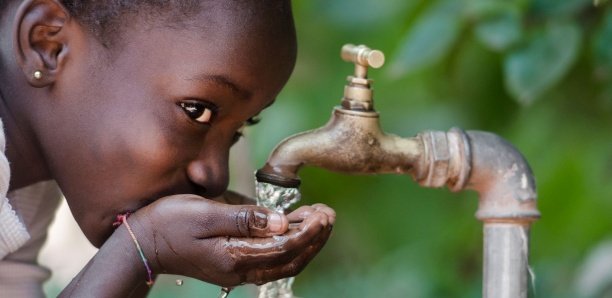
(352, 142)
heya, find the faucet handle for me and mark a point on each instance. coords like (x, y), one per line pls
(358, 92)
(362, 55)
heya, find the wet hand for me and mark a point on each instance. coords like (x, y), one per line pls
(229, 245)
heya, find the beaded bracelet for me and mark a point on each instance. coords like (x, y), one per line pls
(122, 218)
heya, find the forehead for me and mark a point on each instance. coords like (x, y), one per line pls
(248, 42)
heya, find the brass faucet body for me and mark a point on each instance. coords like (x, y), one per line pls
(351, 142)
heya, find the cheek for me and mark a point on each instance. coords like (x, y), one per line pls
(141, 136)
(152, 149)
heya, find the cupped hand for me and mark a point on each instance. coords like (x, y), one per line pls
(229, 245)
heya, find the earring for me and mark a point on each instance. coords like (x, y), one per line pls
(38, 75)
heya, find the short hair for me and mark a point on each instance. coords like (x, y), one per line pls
(104, 17)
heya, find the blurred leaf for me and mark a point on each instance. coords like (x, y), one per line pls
(430, 39)
(556, 8)
(602, 47)
(599, 2)
(477, 9)
(359, 13)
(498, 32)
(542, 62)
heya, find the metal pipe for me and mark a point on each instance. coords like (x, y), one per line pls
(507, 207)
(506, 255)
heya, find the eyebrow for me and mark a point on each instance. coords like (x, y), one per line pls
(225, 82)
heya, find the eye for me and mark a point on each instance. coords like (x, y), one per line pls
(197, 111)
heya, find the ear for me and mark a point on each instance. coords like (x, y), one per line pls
(41, 40)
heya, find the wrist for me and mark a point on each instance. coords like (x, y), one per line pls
(145, 235)
(120, 250)
(127, 226)
(115, 270)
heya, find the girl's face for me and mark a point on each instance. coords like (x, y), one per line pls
(157, 114)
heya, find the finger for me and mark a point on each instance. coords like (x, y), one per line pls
(301, 213)
(327, 210)
(294, 267)
(241, 221)
(306, 232)
(278, 250)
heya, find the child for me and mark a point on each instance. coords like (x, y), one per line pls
(131, 106)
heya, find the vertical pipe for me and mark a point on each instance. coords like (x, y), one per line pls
(506, 259)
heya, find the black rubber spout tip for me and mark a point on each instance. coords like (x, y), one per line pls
(277, 180)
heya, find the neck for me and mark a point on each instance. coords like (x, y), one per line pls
(22, 149)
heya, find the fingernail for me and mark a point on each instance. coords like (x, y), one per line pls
(259, 220)
(275, 222)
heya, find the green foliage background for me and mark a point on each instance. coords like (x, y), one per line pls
(538, 73)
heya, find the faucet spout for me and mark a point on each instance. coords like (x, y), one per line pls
(351, 142)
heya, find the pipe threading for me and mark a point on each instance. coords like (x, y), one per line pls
(446, 159)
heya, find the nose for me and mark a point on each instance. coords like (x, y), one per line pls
(210, 172)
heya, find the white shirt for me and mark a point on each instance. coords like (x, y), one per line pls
(25, 215)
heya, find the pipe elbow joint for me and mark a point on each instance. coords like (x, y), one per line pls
(483, 162)
(503, 178)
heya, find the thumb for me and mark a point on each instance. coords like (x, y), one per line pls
(243, 221)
